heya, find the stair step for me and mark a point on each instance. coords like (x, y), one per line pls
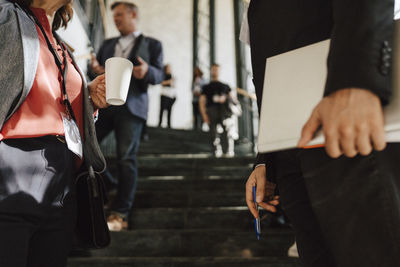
(197, 243)
(233, 171)
(178, 147)
(196, 177)
(192, 160)
(180, 184)
(170, 161)
(190, 167)
(238, 219)
(184, 262)
(182, 199)
(194, 136)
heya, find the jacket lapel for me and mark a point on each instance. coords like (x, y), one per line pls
(31, 48)
(138, 50)
(111, 51)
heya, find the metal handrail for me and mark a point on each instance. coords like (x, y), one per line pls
(245, 93)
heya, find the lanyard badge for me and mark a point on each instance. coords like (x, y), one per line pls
(72, 135)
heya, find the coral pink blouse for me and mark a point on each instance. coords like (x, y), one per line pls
(39, 114)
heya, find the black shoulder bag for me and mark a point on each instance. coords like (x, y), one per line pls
(91, 228)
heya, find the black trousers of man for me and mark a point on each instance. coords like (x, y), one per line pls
(346, 211)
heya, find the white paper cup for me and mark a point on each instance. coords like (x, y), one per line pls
(118, 78)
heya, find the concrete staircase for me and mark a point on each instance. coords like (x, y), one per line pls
(190, 211)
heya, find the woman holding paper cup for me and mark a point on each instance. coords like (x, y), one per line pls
(46, 133)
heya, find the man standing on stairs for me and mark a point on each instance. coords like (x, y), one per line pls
(214, 109)
(127, 120)
(343, 199)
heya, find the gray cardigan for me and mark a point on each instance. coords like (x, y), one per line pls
(19, 55)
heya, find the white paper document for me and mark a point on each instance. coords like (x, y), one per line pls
(294, 84)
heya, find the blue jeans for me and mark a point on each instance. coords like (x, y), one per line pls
(128, 129)
(345, 211)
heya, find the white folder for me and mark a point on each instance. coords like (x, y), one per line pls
(294, 84)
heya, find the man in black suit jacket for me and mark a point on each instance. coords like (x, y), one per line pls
(343, 200)
(127, 120)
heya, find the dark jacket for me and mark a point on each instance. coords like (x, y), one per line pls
(19, 56)
(361, 33)
(150, 50)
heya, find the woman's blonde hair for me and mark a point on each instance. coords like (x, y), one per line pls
(61, 18)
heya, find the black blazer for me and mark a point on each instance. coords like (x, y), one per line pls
(361, 33)
(150, 50)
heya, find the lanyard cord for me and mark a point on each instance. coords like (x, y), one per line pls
(58, 62)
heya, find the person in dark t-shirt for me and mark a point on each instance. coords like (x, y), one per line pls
(214, 110)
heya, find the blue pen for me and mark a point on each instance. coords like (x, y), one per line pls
(257, 225)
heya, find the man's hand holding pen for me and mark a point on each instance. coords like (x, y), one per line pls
(268, 202)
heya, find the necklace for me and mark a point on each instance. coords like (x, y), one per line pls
(125, 45)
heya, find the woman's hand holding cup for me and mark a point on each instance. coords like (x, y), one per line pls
(97, 90)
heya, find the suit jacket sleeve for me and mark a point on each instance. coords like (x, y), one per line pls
(7, 71)
(262, 158)
(17, 71)
(361, 46)
(155, 74)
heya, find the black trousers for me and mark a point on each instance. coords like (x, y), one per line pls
(166, 105)
(345, 212)
(197, 120)
(37, 202)
(217, 114)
